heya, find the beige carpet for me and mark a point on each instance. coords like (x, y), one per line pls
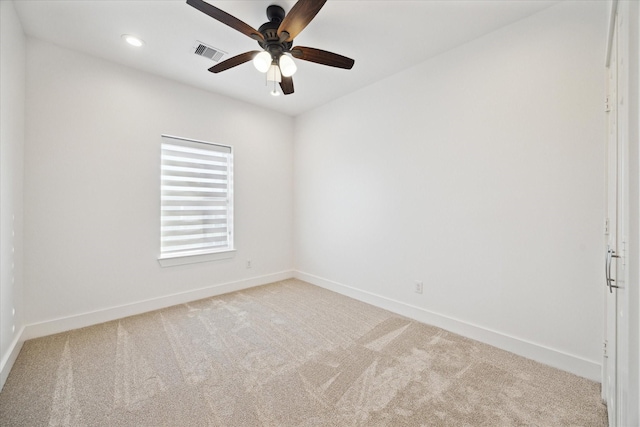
(285, 354)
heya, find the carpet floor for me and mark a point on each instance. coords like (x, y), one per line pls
(284, 354)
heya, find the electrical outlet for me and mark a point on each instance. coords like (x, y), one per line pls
(248, 263)
(418, 287)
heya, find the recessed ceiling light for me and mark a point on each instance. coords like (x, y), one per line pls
(133, 40)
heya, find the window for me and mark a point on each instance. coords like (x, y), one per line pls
(196, 198)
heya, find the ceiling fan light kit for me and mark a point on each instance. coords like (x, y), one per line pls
(276, 40)
(287, 66)
(274, 74)
(262, 61)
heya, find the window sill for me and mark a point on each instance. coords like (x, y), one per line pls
(192, 259)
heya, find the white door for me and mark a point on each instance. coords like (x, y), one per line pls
(610, 357)
(616, 363)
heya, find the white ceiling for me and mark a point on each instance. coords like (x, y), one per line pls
(383, 37)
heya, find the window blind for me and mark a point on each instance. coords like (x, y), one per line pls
(196, 197)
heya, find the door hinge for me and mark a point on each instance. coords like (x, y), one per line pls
(606, 226)
(604, 349)
(607, 105)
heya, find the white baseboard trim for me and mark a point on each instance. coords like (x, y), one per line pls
(548, 356)
(10, 357)
(63, 324)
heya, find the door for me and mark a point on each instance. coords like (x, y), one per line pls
(610, 343)
(616, 357)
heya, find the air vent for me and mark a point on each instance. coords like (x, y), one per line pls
(208, 51)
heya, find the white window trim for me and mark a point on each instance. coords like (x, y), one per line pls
(206, 255)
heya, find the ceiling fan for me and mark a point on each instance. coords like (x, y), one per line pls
(276, 40)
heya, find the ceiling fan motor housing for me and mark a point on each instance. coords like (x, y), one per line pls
(269, 31)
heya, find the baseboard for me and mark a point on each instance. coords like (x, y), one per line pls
(552, 357)
(548, 356)
(10, 357)
(82, 320)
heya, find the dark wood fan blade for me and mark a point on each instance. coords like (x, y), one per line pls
(286, 85)
(322, 57)
(232, 62)
(299, 17)
(225, 18)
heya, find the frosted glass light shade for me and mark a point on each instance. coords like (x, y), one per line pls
(287, 66)
(273, 74)
(262, 61)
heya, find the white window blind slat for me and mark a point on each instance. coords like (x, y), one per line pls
(182, 188)
(190, 179)
(204, 237)
(196, 197)
(177, 146)
(196, 160)
(193, 170)
(195, 218)
(169, 228)
(179, 249)
(194, 208)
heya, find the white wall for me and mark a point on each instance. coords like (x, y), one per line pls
(12, 97)
(92, 190)
(479, 172)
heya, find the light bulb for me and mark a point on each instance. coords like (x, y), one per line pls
(287, 66)
(133, 40)
(262, 61)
